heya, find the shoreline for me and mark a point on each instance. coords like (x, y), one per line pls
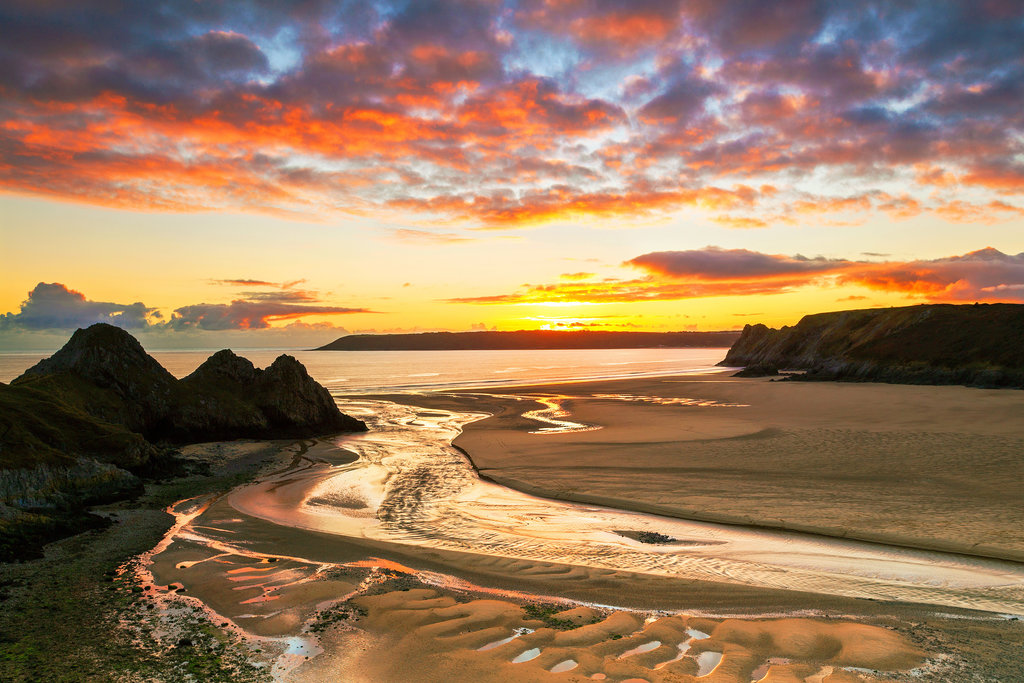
(498, 385)
(79, 607)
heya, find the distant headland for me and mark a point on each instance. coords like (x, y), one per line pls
(530, 339)
(969, 344)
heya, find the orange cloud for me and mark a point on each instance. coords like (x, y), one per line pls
(628, 291)
(564, 202)
(833, 204)
(716, 264)
(622, 32)
(967, 212)
(243, 314)
(984, 275)
(1004, 178)
(742, 222)
(900, 207)
(427, 237)
(499, 114)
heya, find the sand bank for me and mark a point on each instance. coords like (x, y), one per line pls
(925, 467)
(411, 488)
(325, 608)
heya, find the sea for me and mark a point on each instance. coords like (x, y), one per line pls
(360, 372)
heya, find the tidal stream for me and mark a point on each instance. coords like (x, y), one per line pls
(409, 486)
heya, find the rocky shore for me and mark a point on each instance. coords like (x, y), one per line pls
(90, 423)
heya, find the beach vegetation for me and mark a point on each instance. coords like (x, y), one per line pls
(653, 537)
(326, 618)
(548, 613)
(81, 614)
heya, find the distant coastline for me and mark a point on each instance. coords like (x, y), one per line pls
(530, 339)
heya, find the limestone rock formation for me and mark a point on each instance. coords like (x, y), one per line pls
(103, 395)
(104, 371)
(227, 397)
(82, 426)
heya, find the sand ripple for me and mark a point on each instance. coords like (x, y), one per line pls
(432, 638)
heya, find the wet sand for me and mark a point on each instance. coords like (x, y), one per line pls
(337, 582)
(413, 614)
(444, 616)
(432, 637)
(918, 466)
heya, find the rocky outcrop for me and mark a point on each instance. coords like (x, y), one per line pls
(975, 345)
(757, 371)
(104, 371)
(227, 397)
(82, 426)
(290, 398)
(103, 396)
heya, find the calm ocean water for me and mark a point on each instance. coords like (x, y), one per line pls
(345, 372)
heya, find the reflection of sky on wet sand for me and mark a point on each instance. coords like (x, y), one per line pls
(556, 415)
(418, 490)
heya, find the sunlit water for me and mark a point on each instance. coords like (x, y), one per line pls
(376, 371)
(409, 486)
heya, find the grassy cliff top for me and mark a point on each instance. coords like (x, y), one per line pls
(941, 336)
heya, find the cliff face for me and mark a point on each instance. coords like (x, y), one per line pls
(980, 345)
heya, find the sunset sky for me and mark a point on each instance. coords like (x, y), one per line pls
(278, 173)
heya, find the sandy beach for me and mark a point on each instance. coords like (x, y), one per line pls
(397, 614)
(920, 466)
(319, 570)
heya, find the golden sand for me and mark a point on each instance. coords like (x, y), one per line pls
(428, 637)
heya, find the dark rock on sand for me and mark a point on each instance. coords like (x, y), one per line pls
(654, 537)
(757, 371)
